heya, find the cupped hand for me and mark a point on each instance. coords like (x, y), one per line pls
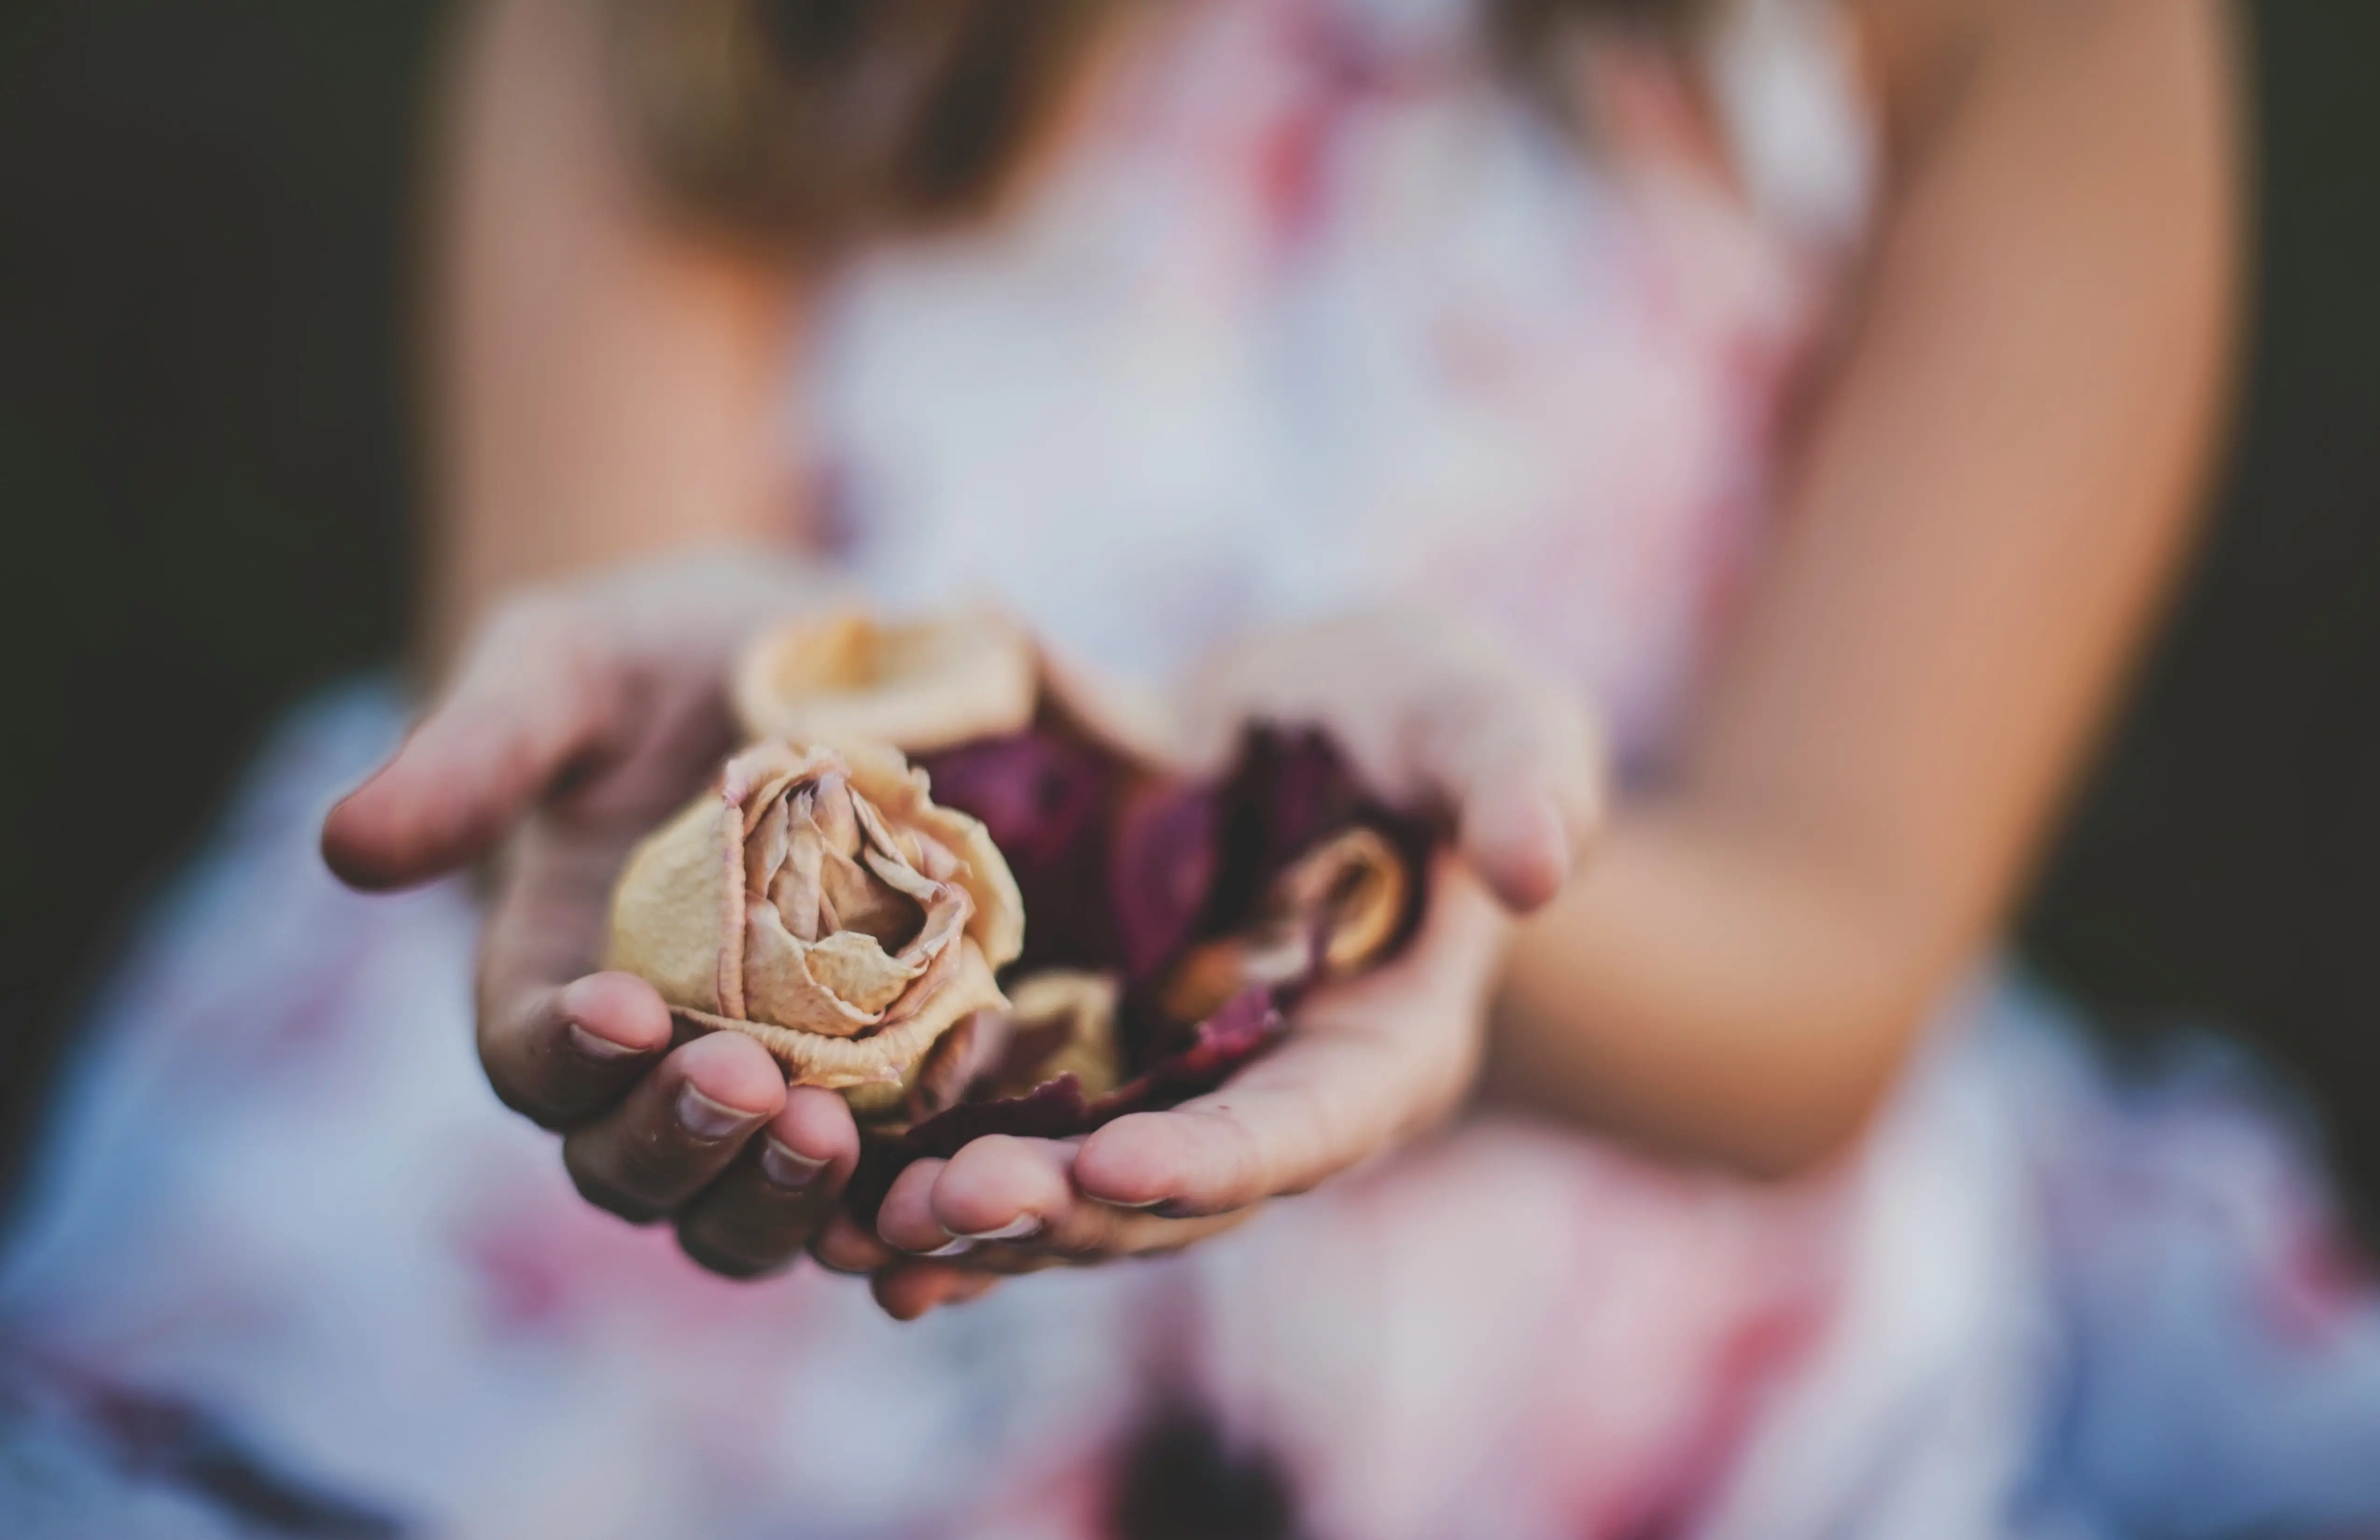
(1432, 716)
(582, 715)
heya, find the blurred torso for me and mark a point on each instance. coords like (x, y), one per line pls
(1314, 312)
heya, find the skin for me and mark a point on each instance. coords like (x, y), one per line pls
(1994, 486)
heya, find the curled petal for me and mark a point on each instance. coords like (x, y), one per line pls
(959, 1061)
(1063, 1023)
(679, 905)
(1213, 973)
(901, 796)
(1351, 894)
(780, 986)
(880, 1065)
(846, 680)
(852, 966)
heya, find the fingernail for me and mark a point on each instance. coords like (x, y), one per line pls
(958, 1247)
(1173, 1208)
(710, 1120)
(604, 1051)
(1145, 1202)
(1016, 1229)
(786, 1168)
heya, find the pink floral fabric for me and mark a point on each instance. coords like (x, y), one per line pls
(1320, 315)
(1316, 316)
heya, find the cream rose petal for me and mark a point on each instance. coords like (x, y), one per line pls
(1063, 1022)
(902, 798)
(882, 1064)
(847, 679)
(671, 904)
(853, 968)
(781, 983)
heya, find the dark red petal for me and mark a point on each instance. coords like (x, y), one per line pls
(1203, 1058)
(1160, 870)
(1048, 802)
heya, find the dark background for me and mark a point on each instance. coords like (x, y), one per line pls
(204, 209)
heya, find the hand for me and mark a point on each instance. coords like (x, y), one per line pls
(1430, 716)
(582, 716)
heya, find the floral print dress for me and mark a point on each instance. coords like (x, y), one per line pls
(1317, 314)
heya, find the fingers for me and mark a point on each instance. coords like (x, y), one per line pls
(1431, 713)
(678, 1129)
(558, 1046)
(756, 1217)
(912, 1289)
(1520, 844)
(1367, 1063)
(1521, 766)
(560, 1055)
(998, 1188)
(1002, 1189)
(843, 1246)
(621, 669)
(535, 695)
(1007, 1205)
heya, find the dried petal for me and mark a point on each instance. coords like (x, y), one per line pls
(958, 1061)
(1197, 1061)
(679, 903)
(1213, 973)
(852, 966)
(863, 901)
(780, 986)
(1063, 1023)
(1046, 798)
(882, 1061)
(847, 680)
(900, 796)
(1350, 895)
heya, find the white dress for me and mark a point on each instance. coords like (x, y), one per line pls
(1318, 316)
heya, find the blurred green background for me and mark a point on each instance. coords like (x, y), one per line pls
(205, 219)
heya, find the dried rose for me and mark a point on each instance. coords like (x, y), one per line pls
(821, 902)
(1176, 920)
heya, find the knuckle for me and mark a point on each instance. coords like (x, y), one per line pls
(837, 1255)
(655, 1167)
(521, 1092)
(536, 1082)
(1239, 1167)
(511, 1090)
(1080, 1238)
(599, 1188)
(733, 1255)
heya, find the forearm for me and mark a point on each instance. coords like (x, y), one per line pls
(601, 385)
(1994, 497)
(1712, 993)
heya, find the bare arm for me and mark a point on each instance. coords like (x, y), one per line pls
(602, 384)
(1995, 495)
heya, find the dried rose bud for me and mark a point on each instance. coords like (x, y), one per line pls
(820, 903)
